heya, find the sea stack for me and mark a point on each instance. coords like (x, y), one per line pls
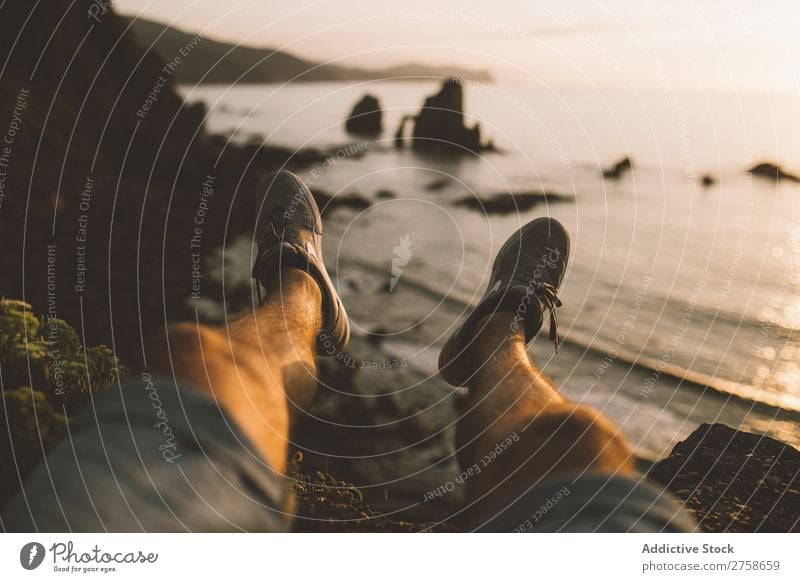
(400, 135)
(708, 180)
(440, 125)
(772, 172)
(617, 170)
(366, 117)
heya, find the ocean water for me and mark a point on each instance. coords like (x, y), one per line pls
(681, 302)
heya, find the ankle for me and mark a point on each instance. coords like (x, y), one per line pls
(497, 345)
(495, 334)
(293, 284)
(294, 302)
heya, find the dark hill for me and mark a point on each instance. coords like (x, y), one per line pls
(103, 178)
(211, 61)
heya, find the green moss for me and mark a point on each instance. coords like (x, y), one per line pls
(73, 372)
(49, 355)
(20, 345)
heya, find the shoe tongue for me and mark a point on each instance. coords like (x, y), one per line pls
(532, 268)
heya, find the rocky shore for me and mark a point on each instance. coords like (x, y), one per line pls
(734, 481)
(392, 443)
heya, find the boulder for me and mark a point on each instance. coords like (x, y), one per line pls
(366, 117)
(509, 202)
(708, 180)
(734, 481)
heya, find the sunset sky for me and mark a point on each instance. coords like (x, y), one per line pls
(738, 45)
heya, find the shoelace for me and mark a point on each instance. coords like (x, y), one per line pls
(547, 295)
(278, 220)
(527, 267)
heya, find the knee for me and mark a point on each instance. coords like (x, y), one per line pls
(582, 435)
(192, 336)
(182, 343)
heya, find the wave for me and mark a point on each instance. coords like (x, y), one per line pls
(684, 376)
(601, 348)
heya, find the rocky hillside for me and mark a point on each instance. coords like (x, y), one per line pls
(105, 173)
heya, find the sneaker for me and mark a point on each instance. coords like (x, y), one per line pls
(525, 278)
(289, 234)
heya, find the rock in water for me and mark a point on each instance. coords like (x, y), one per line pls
(772, 172)
(366, 117)
(616, 171)
(328, 202)
(440, 124)
(510, 202)
(400, 135)
(734, 481)
(439, 184)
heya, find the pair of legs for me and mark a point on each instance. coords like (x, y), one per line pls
(262, 371)
(156, 456)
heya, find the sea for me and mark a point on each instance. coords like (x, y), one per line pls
(681, 304)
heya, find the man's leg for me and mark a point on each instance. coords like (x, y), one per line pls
(198, 442)
(533, 460)
(261, 368)
(509, 395)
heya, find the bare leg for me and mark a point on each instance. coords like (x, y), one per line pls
(261, 369)
(509, 396)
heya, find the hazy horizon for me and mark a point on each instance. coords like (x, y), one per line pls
(687, 45)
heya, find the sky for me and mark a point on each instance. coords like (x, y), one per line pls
(701, 45)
